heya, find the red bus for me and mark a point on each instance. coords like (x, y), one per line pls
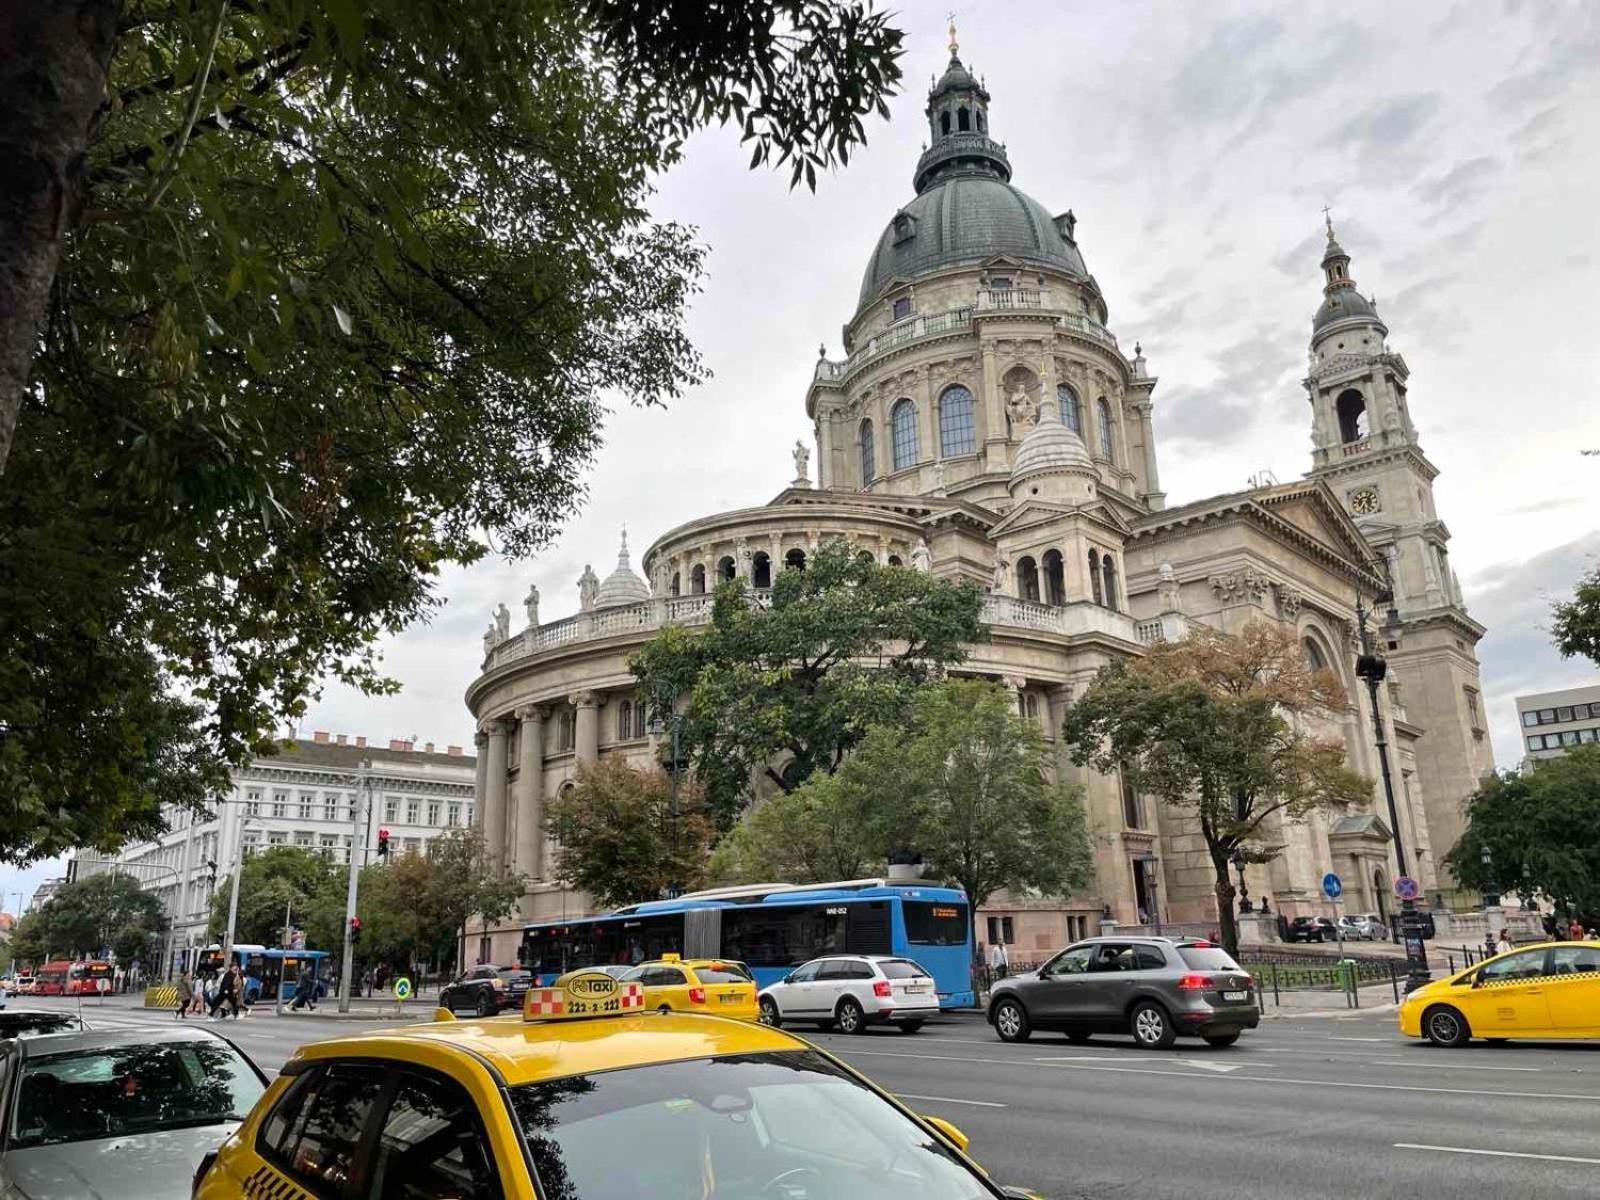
(64, 978)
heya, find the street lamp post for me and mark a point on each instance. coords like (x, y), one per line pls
(1373, 668)
(358, 846)
(663, 701)
(233, 896)
(1147, 863)
(1244, 892)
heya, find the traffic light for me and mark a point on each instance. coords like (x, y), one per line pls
(355, 930)
(383, 843)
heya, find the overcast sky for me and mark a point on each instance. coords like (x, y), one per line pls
(1197, 145)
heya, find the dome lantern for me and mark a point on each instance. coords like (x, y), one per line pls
(622, 586)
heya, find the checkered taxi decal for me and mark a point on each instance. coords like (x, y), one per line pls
(266, 1184)
(562, 1002)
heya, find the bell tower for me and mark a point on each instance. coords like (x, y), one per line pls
(1366, 449)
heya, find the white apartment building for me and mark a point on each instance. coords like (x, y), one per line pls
(1554, 722)
(305, 796)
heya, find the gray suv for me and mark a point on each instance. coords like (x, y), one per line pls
(1157, 989)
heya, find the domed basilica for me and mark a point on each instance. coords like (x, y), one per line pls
(985, 424)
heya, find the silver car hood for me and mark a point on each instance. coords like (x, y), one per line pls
(145, 1166)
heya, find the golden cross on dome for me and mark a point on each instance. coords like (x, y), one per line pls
(954, 45)
(1327, 216)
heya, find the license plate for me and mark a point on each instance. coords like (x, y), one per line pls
(917, 987)
(729, 997)
(1236, 995)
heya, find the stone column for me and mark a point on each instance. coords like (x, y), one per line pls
(480, 790)
(587, 749)
(529, 858)
(928, 448)
(994, 417)
(494, 817)
(1147, 434)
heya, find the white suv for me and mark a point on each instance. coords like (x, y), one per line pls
(852, 991)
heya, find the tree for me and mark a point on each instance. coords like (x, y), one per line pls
(619, 838)
(963, 783)
(283, 880)
(1576, 624)
(967, 786)
(27, 938)
(784, 691)
(1215, 726)
(1541, 826)
(463, 884)
(89, 915)
(830, 827)
(301, 300)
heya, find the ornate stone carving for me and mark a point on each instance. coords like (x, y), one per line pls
(583, 699)
(1289, 600)
(588, 588)
(1022, 408)
(1002, 573)
(1169, 590)
(922, 556)
(1239, 586)
(530, 605)
(802, 464)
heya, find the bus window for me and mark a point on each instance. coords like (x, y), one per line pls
(935, 923)
(782, 936)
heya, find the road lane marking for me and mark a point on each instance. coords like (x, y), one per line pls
(1221, 1068)
(1567, 1158)
(1329, 1083)
(949, 1100)
(1400, 1062)
(1354, 1039)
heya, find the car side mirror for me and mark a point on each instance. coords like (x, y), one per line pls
(950, 1132)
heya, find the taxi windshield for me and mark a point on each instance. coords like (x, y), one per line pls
(743, 1127)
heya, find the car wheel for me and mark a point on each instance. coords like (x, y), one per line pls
(910, 1026)
(1221, 1039)
(1011, 1021)
(769, 1012)
(850, 1017)
(1444, 1026)
(1151, 1027)
(485, 1005)
(1077, 1036)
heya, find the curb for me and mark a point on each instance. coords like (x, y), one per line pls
(1294, 1014)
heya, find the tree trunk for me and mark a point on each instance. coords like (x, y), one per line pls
(53, 59)
(1227, 918)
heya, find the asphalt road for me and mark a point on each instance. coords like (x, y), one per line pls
(1313, 1107)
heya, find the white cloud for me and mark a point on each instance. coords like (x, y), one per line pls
(1197, 145)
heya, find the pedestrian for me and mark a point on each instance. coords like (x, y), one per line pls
(1575, 930)
(1550, 926)
(1505, 941)
(997, 960)
(185, 994)
(228, 987)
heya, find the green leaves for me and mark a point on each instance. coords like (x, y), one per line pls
(779, 693)
(1541, 826)
(623, 840)
(90, 915)
(1575, 624)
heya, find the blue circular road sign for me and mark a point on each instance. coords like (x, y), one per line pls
(1331, 886)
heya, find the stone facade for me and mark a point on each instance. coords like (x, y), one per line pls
(986, 425)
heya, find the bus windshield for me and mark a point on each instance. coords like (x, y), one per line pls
(935, 923)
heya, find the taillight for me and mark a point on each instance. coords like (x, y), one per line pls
(498, 984)
(697, 995)
(881, 988)
(1195, 983)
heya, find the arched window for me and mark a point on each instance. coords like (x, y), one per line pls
(956, 433)
(944, 122)
(624, 720)
(963, 119)
(726, 568)
(979, 115)
(795, 560)
(677, 584)
(1071, 410)
(1108, 569)
(761, 570)
(1315, 659)
(1351, 408)
(869, 456)
(1055, 578)
(894, 561)
(1027, 579)
(566, 729)
(697, 580)
(903, 434)
(1094, 576)
(1103, 412)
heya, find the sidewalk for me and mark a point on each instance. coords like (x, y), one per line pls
(1323, 1002)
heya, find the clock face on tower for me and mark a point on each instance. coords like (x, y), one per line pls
(1364, 502)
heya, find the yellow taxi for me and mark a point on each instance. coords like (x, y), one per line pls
(712, 985)
(1546, 991)
(590, 1095)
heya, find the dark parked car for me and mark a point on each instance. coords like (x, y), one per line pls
(486, 990)
(1157, 989)
(1311, 929)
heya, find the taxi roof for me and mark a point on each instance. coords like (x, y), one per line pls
(530, 1051)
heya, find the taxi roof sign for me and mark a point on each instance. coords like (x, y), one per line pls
(583, 995)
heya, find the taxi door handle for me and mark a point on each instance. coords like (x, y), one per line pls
(1535, 991)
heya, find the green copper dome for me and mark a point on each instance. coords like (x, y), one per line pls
(963, 220)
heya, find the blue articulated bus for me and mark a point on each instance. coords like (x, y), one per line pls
(267, 969)
(773, 928)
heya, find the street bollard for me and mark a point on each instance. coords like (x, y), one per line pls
(1394, 982)
(1276, 998)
